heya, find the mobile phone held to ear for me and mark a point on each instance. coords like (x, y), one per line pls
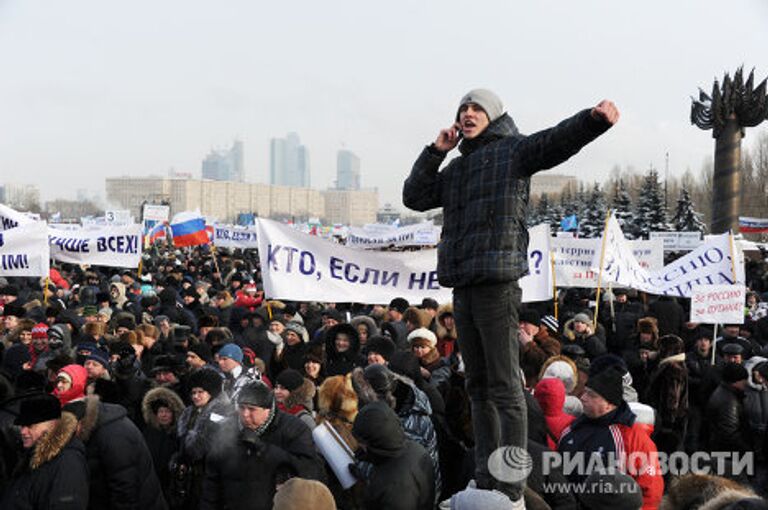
(459, 133)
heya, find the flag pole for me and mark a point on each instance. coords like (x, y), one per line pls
(45, 292)
(714, 344)
(733, 259)
(600, 271)
(554, 280)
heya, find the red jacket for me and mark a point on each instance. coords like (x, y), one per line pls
(625, 437)
(550, 393)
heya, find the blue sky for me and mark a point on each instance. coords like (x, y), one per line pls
(92, 89)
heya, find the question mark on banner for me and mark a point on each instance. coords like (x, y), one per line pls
(536, 255)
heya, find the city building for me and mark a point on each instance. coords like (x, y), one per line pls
(224, 201)
(347, 170)
(551, 184)
(24, 197)
(351, 207)
(288, 162)
(225, 165)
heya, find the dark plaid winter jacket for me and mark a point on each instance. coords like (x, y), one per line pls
(484, 195)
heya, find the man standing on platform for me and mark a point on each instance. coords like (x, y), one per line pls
(483, 250)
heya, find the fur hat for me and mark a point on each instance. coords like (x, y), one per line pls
(563, 368)
(207, 379)
(424, 334)
(701, 491)
(382, 346)
(37, 410)
(485, 99)
(301, 493)
(734, 372)
(648, 325)
(202, 351)
(530, 316)
(399, 304)
(14, 310)
(336, 397)
(297, 328)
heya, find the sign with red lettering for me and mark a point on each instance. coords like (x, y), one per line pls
(716, 304)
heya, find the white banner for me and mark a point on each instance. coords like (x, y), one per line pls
(716, 304)
(710, 264)
(678, 241)
(230, 236)
(573, 259)
(537, 285)
(156, 212)
(422, 234)
(118, 218)
(104, 246)
(24, 250)
(301, 267)
(10, 218)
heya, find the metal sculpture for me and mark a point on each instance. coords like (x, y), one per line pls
(731, 108)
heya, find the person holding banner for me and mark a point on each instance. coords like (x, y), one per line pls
(483, 250)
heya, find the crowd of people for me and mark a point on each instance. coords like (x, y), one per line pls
(181, 386)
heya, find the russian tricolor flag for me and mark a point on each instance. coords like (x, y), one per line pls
(157, 232)
(188, 229)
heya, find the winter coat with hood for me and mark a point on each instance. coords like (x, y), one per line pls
(244, 466)
(53, 474)
(550, 394)
(412, 407)
(484, 195)
(589, 341)
(300, 403)
(618, 433)
(120, 464)
(161, 441)
(402, 477)
(756, 406)
(563, 368)
(667, 391)
(342, 363)
(370, 325)
(79, 377)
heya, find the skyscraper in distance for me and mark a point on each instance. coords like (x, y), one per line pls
(288, 162)
(225, 165)
(347, 170)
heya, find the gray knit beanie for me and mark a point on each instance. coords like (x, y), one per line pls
(486, 100)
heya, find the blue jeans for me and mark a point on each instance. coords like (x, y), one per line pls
(487, 326)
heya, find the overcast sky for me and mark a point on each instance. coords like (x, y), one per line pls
(95, 88)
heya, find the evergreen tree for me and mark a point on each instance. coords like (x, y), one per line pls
(651, 213)
(686, 219)
(594, 214)
(541, 214)
(621, 204)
